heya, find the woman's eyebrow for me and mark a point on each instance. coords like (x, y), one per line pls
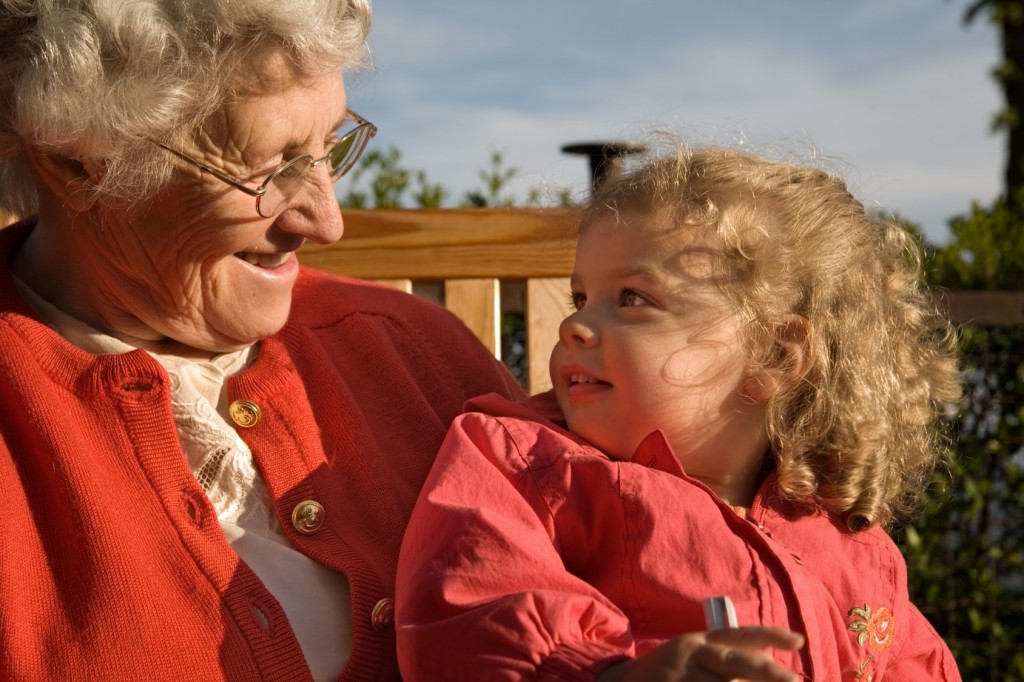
(349, 116)
(295, 146)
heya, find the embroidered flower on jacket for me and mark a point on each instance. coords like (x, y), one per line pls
(881, 629)
(876, 628)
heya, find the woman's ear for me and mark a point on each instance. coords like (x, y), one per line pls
(70, 181)
(789, 362)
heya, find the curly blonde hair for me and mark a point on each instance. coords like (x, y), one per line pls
(858, 435)
(94, 81)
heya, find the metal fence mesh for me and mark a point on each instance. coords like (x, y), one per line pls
(966, 556)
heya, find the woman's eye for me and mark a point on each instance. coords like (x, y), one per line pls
(630, 298)
(577, 301)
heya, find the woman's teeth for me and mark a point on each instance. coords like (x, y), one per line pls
(583, 379)
(265, 260)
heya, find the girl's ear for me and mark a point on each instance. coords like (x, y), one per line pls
(789, 363)
(70, 180)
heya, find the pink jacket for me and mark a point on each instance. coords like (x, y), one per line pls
(531, 555)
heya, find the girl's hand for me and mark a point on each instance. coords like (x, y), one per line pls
(712, 656)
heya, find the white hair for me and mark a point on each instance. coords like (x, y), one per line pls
(94, 81)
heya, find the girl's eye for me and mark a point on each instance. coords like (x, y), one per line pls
(630, 298)
(577, 300)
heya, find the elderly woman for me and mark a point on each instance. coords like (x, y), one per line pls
(208, 453)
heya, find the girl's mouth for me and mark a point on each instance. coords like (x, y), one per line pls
(579, 378)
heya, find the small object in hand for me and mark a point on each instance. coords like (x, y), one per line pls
(719, 613)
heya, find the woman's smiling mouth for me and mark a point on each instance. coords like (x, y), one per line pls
(267, 261)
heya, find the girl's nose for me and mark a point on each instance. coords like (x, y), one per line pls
(575, 329)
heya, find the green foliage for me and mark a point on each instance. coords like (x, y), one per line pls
(429, 194)
(1006, 15)
(382, 180)
(513, 344)
(965, 555)
(495, 180)
(1000, 12)
(986, 251)
(389, 183)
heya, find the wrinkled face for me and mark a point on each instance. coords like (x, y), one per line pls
(197, 264)
(654, 344)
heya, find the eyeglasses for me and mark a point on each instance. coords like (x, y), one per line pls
(283, 184)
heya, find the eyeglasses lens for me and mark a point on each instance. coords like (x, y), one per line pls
(348, 150)
(286, 181)
(283, 185)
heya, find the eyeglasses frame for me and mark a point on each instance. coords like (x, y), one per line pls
(361, 122)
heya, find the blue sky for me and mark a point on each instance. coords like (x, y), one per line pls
(895, 95)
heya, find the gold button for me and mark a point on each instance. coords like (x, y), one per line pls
(245, 413)
(383, 614)
(308, 516)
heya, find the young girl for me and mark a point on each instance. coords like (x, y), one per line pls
(744, 397)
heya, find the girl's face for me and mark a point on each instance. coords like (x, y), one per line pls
(655, 344)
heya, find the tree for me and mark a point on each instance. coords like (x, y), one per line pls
(1008, 16)
(393, 185)
(389, 183)
(965, 557)
(985, 252)
(965, 552)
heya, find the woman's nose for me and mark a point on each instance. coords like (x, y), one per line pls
(576, 329)
(314, 213)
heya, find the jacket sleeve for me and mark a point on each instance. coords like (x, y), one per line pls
(924, 657)
(481, 589)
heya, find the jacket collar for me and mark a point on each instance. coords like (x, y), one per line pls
(654, 451)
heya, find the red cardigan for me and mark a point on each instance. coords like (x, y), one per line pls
(546, 560)
(112, 563)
